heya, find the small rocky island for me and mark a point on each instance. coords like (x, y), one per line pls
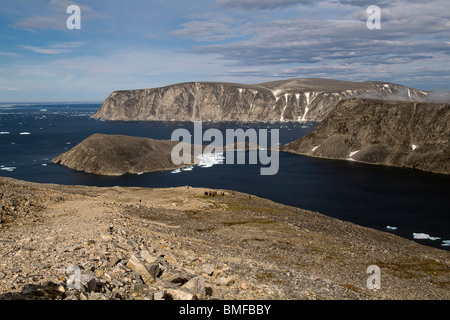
(391, 133)
(284, 100)
(115, 155)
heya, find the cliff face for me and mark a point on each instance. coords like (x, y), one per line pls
(401, 134)
(286, 100)
(115, 155)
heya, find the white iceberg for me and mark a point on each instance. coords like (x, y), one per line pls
(424, 236)
(24, 133)
(421, 236)
(4, 132)
(209, 159)
(391, 228)
(188, 169)
(9, 169)
(176, 171)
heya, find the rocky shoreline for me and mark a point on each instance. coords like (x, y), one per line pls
(88, 243)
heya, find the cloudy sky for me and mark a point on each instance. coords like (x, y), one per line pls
(131, 44)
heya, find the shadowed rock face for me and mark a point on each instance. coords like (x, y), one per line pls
(286, 100)
(394, 133)
(117, 155)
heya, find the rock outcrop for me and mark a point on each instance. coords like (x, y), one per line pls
(285, 100)
(89, 243)
(116, 155)
(400, 134)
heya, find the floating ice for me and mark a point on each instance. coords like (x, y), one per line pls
(9, 169)
(391, 228)
(4, 132)
(24, 133)
(176, 171)
(209, 159)
(188, 168)
(44, 164)
(445, 243)
(421, 236)
(424, 236)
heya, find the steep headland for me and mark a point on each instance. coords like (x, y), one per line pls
(115, 155)
(285, 100)
(392, 133)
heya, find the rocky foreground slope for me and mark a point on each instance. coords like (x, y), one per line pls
(78, 243)
(116, 155)
(285, 100)
(392, 133)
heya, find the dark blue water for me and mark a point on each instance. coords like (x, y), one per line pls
(372, 196)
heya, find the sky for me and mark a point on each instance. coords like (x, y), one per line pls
(135, 44)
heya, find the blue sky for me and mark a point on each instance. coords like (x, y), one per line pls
(143, 44)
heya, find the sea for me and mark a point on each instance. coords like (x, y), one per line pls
(409, 203)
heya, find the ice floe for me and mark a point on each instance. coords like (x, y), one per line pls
(9, 169)
(391, 228)
(25, 133)
(209, 159)
(425, 236)
(4, 132)
(176, 171)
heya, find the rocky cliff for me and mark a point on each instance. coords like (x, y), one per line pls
(117, 155)
(393, 133)
(286, 100)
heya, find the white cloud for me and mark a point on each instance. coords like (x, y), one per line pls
(57, 48)
(258, 4)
